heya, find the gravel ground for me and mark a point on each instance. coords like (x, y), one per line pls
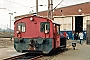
(82, 52)
(5, 42)
(6, 48)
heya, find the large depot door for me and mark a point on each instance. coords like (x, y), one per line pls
(78, 24)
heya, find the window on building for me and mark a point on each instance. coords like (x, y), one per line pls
(60, 10)
(21, 27)
(64, 26)
(61, 27)
(69, 26)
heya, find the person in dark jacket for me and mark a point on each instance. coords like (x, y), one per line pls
(76, 36)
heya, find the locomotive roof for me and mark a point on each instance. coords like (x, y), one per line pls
(55, 22)
(27, 15)
(21, 17)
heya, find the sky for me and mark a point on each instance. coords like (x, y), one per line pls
(22, 7)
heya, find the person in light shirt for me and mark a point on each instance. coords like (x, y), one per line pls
(81, 37)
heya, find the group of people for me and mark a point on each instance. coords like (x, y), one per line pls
(79, 36)
(76, 36)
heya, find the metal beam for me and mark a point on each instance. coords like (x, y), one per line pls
(37, 7)
(50, 9)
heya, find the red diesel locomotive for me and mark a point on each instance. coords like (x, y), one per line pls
(35, 33)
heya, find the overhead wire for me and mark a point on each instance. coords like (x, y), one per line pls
(58, 4)
(34, 6)
(14, 3)
(65, 2)
(22, 5)
(17, 3)
(63, 5)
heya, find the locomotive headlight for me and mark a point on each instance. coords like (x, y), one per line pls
(31, 19)
(17, 32)
(46, 31)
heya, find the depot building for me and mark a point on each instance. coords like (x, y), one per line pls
(71, 18)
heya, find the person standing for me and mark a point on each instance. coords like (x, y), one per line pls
(64, 33)
(81, 37)
(76, 36)
(73, 36)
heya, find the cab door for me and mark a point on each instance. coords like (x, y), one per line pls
(57, 35)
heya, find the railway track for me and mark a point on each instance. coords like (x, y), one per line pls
(26, 56)
(30, 56)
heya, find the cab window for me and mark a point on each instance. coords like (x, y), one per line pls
(21, 27)
(44, 26)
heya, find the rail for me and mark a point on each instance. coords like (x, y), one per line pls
(24, 56)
